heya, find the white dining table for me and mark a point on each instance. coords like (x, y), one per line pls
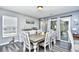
(35, 39)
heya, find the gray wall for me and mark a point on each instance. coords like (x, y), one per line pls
(21, 22)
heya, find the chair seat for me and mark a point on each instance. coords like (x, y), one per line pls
(43, 44)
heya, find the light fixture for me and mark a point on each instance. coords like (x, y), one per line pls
(39, 7)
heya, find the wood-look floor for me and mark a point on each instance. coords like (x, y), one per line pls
(18, 47)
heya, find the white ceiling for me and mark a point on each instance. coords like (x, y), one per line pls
(47, 10)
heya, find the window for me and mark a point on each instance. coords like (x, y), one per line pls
(9, 26)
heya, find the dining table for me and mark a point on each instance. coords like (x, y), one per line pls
(35, 39)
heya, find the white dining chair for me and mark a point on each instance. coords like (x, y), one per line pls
(46, 42)
(26, 41)
(53, 37)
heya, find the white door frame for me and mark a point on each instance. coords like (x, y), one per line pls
(70, 39)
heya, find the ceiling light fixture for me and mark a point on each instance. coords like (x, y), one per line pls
(39, 7)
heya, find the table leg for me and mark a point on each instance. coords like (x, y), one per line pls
(35, 44)
(50, 45)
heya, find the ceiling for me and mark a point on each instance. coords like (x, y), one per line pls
(46, 12)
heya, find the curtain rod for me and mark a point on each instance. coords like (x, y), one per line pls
(62, 16)
(54, 18)
(66, 16)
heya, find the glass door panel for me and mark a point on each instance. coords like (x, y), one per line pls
(64, 30)
(64, 25)
(54, 25)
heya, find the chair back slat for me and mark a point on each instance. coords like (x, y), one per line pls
(53, 35)
(47, 38)
(25, 38)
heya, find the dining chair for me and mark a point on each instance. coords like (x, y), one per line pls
(53, 37)
(26, 41)
(46, 42)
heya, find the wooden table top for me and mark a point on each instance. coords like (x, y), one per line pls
(37, 38)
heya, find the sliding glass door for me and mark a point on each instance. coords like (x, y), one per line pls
(65, 31)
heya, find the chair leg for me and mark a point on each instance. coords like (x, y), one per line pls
(38, 48)
(49, 47)
(29, 50)
(24, 48)
(44, 48)
(54, 41)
